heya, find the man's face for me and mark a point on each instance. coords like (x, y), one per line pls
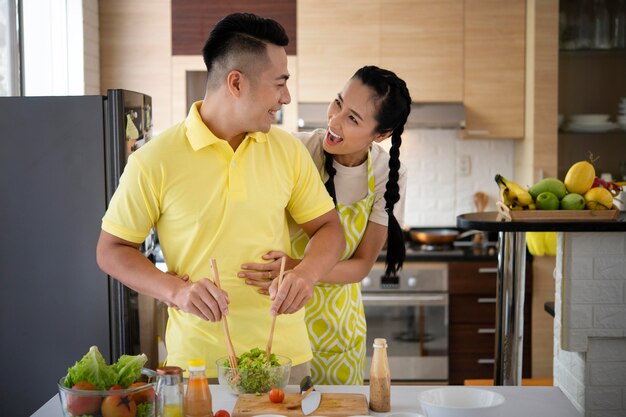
(267, 90)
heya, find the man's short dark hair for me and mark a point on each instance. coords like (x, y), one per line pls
(239, 40)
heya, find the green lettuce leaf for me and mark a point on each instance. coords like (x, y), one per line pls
(91, 368)
(144, 410)
(128, 368)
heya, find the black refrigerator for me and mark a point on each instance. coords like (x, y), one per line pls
(60, 161)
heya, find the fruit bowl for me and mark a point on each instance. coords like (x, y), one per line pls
(138, 400)
(253, 377)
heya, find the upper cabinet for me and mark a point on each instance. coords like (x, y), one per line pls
(470, 51)
(494, 76)
(422, 42)
(334, 40)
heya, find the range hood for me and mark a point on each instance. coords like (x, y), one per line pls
(422, 116)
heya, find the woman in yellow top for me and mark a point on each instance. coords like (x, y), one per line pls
(367, 184)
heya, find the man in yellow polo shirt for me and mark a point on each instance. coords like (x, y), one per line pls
(220, 185)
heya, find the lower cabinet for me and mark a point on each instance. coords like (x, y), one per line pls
(472, 312)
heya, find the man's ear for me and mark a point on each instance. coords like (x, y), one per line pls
(234, 81)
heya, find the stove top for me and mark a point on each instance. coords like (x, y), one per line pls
(460, 250)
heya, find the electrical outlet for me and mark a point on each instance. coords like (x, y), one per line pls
(463, 165)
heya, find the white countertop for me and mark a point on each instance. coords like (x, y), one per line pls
(519, 401)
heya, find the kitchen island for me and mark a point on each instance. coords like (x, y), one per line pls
(519, 401)
(590, 306)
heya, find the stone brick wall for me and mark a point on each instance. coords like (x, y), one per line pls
(590, 322)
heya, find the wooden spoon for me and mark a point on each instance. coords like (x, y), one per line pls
(232, 357)
(268, 349)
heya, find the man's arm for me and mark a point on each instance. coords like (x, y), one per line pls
(327, 244)
(123, 260)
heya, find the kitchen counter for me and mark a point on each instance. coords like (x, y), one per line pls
(519, 401)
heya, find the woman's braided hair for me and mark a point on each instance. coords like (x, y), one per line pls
(394, 106)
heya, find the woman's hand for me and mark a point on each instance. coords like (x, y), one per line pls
(261, 274)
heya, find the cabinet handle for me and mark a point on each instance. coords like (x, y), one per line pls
(478, 132)
(485, 300)
(486, 361)
(487, 270)
(486, 331)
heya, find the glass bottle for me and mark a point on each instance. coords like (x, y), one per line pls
(198, 396)
(601, 25)
(380, 378)
(169, 391)
(619, 25)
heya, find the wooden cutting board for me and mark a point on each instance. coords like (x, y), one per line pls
(331, 405)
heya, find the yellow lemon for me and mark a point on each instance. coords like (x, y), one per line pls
(598, 198)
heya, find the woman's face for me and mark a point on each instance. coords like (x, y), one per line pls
(351, 124)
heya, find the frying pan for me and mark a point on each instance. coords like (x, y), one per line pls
(439, 236)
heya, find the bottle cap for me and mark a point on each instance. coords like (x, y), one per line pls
(197, 365)
(380, 343)
(169, 370)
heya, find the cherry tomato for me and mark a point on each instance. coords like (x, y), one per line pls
(221, 413)
(118, 406)
(277, 395)
(83, 404)
(142, 396)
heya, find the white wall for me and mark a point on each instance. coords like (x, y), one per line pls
(437, 191)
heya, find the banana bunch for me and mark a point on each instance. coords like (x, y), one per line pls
(514, 195)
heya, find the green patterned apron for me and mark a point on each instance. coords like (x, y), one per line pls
(335, 317)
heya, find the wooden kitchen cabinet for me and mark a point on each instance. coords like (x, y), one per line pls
(472, 312)
(334, 40)
(494, 69)
(422, 42)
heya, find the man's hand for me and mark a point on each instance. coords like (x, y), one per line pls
(295, 291)
(203, 299)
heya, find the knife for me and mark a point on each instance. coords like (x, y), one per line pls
(309, 399)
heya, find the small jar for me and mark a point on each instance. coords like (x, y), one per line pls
(169, 392)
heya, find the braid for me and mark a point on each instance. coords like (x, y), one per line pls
(331, 171)
(396, 251)
(394, 106)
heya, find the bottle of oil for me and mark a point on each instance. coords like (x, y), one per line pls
(380, 378)
(198, 396)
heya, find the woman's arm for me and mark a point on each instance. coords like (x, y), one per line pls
(344, 272)
(360, 264)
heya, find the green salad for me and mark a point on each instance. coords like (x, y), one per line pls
(254, 374)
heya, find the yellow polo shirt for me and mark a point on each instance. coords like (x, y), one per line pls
(208, 201)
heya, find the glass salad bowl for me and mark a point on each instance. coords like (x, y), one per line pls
(254, 375)
(137, 400)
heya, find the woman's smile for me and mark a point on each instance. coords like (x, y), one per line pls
(332, 138)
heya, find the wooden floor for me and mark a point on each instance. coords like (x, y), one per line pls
(528, 382)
